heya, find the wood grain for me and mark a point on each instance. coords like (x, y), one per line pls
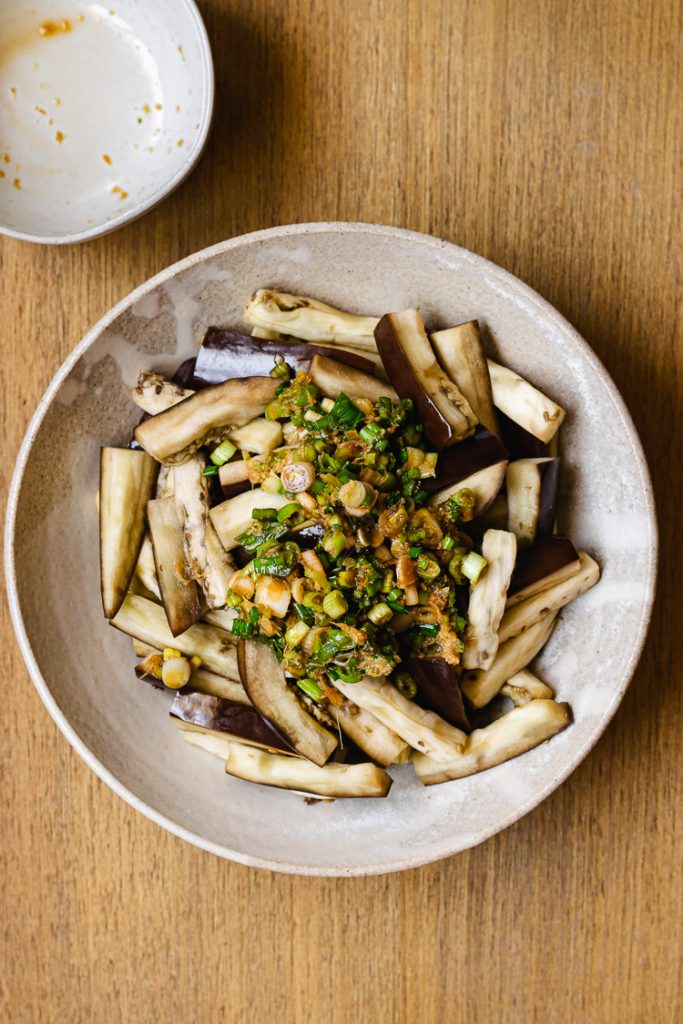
(547, 137)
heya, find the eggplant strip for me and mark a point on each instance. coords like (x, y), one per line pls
(233, 517)
(423, 730)
(523, 403)
(146, 621)
(267, 689)
(226, 354)
(372, 736)
(127, 479)
(518, 731)
(531, 486)
(260, 436)
(208, 561)
(333, 780)
(411, 365)
(146, 571)
(487, 599)
(481, 685)
(461, 353)
(308, 319)
(202, 712)
(525, 686)
(333, 378)
(526, 613)
(206, 416)
(181, 596)
(485, 483)
(153, 393)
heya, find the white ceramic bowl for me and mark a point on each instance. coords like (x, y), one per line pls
(104, 110)
(84, 670)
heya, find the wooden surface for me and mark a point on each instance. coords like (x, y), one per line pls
(547, 137)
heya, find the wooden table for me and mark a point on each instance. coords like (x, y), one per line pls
(545, 136)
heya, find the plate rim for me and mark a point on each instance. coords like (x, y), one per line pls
(549, 312)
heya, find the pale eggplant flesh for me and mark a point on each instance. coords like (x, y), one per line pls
(332, 377)
(485, 484)
(227, 354)
(550, 560)
(411, 365)
(146, 621)
(519, 730)
(531, 487)
(333, 780)
(461, 353)
(208, 415)
(267, 689)
(181, 596)
(475, 453)
(127, 479)
(203, 712)
(438, 690)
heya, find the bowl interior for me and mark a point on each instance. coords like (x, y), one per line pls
(102, 108)
(122, 727)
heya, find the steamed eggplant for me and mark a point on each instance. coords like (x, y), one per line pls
(146, 572)
(531, 486)
(200, 712)
(525, 686)
(525, 613)
(438, 690)
(260, 436)
(487, 599)
(227, 354)
(234, 516)
(146, 621)
(127, 479)
(461, 353)
(481, 685)
(421, 728)
(523, 403)
(209, 415)
(485, 483)
(308, 319)
(456, 464)
(538, 567)
(207, 559)
(200, 679)
(153, 393)
(516, 732)
(409, 361)
(369, 734)
(234, 478)
(333, 377)
(333, 780)
(181, 596)
(267, 689)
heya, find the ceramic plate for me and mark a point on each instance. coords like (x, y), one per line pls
(83, 669)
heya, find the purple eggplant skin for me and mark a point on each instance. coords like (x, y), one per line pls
(550, 480)
(541, 559)
(464, 459)
(221, 715)
(438, 690)
(184, 375)
(226, 354)
(518, 441)
(399, 357)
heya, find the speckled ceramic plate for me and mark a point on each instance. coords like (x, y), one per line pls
(83, 668)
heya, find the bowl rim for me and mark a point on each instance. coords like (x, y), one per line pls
(194, 154)
(282, 232)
